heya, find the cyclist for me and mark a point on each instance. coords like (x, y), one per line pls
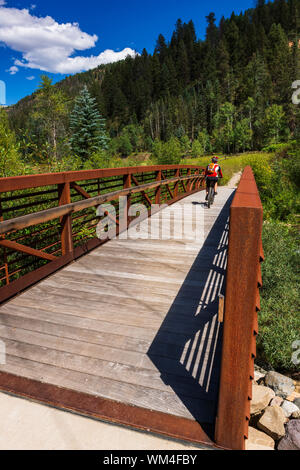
(212, 173)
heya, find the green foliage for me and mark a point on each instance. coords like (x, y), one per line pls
(185, 144)
(167, 153)
(87, 127)
(243, 135)
(125, 147)
(47, 123)
(234, 87)
(10, 161)
(235, 163)
(279, 319)
(279, 187)
(197, 149)
(276, 148)
(274, 124)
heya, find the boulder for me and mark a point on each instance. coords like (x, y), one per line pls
(277, 401)
(259, 376)
(293, 396)
(261, 397)
(296, 415)
(272, 422)
(289, 408)
(258, 440)
(291, 441)
(297, 402)
(283, 386)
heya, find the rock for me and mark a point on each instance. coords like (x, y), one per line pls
(291, 440)
(293, 396)
(297, 402)
(261, 397)
(283, 386)
(277, 401)
(296, 415)
(258, 440)
(260, 369)
(289, 408)
(272, 422)
(259, 376)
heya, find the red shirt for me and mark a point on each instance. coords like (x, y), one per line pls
(217, 172)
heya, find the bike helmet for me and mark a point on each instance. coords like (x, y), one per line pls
(215, 160)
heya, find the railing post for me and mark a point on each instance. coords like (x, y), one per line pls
(197, 181)
(4, 249)
(126, 185)
(176, 186)
(188, 186)
(240, 321)
(158, 189)
(64, 196)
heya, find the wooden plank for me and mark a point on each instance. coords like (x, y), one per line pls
(135, 321)
(74, 339)
(108, 298)
(103, 369)
(180, 330)
(110, 389)
(143, 290)
(100, 408)
(134, 314)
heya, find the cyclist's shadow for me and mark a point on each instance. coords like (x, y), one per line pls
(187, 347)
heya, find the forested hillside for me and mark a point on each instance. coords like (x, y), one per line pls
(227, 93)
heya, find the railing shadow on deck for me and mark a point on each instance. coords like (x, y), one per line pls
(194, 368)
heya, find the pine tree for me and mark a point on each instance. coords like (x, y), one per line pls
(87, 127)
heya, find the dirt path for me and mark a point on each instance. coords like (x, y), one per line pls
(234, 180)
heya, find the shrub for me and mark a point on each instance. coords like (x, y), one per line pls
(167, 153)
(279, 319)
(197, 149)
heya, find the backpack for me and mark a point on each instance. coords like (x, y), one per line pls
(211, 168)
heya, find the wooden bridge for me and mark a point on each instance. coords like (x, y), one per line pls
(128, 326)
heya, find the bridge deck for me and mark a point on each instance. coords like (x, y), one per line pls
(134, 321)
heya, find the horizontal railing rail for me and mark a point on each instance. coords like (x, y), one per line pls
(48, 220)
(242, 302)
(50, 214)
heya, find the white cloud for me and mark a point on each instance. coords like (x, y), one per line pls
(32, 77)
(13, 70)
(49, 46)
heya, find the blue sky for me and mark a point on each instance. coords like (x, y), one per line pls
(65, 37)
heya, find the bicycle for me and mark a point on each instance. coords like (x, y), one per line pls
(211, 194)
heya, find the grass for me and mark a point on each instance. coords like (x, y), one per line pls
(233, 164)
(279, 319)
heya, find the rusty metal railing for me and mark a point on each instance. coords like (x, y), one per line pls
(242, 302)
(48, 220)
